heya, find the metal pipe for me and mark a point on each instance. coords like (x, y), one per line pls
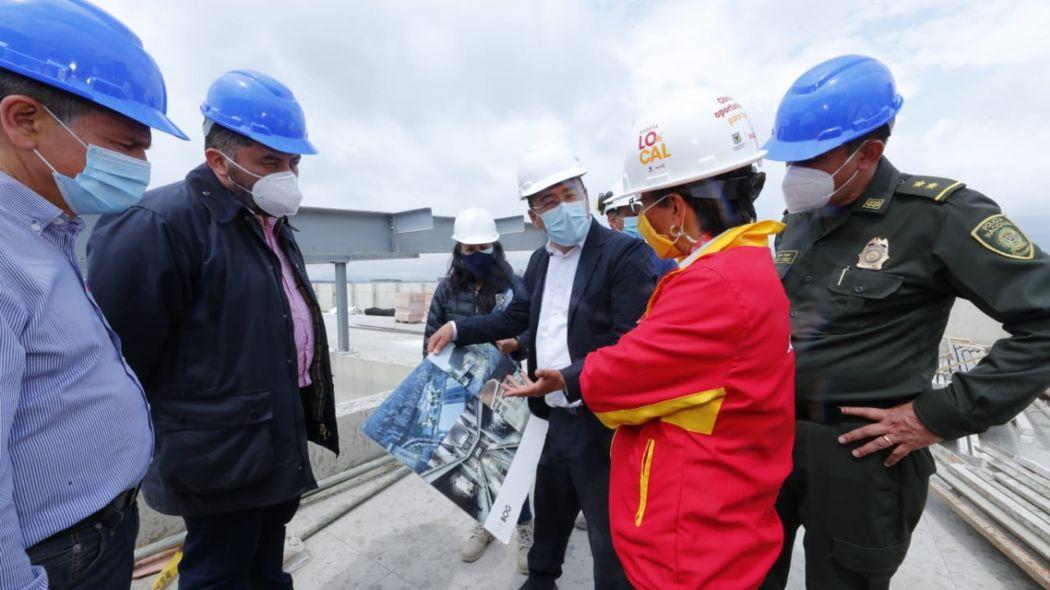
(339, 488)
(177, 539)
(351, 473)
(342, 307)
(381, 484)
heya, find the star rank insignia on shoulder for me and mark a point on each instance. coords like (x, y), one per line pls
(934, 188)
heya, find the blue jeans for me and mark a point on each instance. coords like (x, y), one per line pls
(93, 556)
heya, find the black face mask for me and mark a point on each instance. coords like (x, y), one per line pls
(480, 264)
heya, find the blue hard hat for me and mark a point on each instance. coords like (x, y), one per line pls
(260, 108)
(77, 47)
(831, 104)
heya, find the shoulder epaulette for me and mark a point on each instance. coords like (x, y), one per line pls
(932, 187)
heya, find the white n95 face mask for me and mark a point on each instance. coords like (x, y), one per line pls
(806, 189)
(276, 194)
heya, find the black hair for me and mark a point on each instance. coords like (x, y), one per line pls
(881, 133)
(67, 107)
(577, 179)
(603, 198)
(735, 206)
(460, 279)
(224, 140)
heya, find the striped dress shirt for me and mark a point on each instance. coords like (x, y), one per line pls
(75, 428)
(302, 319)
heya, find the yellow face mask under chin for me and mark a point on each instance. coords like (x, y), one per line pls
(664, 246)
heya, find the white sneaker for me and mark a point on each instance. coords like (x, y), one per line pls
(476, 544)
(581, 522)
(524, 545)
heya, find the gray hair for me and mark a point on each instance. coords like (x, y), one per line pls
(222, 139)
(65, 106)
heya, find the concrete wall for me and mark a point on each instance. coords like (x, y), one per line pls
(968, 322)
(365, 295)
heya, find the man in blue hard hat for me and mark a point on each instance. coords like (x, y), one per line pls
(872, 260)
(78, 97)
(207, 287)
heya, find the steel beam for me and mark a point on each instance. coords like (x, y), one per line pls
(342, 235)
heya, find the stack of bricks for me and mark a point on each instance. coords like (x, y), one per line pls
(411, 307)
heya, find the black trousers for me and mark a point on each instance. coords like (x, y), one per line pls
(858, 514)
(573, 474)
(237, 550)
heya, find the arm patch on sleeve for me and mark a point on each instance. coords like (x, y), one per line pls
(1002, 236)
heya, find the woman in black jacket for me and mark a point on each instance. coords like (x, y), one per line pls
(479, 281)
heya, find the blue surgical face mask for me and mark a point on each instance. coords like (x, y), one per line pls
(109, 183)
(568, 223)
(630, 227)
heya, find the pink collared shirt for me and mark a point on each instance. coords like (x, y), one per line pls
(302, 320)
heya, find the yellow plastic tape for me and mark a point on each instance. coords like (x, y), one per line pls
(170, 571)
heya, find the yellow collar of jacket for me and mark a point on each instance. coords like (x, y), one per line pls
(753, 234)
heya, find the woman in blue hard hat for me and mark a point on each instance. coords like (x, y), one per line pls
(480, 280)
(78, 98)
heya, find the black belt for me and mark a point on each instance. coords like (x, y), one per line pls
(122, 501)
(829, 413)
(576, 411)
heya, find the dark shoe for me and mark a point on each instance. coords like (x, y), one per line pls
(535, 584)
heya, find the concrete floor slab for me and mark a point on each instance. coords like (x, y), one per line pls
(415, 533)
(408, 537)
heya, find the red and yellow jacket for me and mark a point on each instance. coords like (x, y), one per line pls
(701, 394)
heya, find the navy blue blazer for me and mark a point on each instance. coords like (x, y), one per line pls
(613, 283)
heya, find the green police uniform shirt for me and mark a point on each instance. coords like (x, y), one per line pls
(872, 284)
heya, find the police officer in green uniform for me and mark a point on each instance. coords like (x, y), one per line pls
(872, 260)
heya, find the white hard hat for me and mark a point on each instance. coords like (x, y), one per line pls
(545, 165)
(474, 226)
(685, 137)
(619, 198)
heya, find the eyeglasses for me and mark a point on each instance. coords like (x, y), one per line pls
(556, 196)
(638, 207)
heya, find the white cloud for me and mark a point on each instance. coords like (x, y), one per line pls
(430, 103)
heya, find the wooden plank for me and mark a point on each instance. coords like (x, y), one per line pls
(1008, 523)
(1025, 526)
(1024, 477)
(1034, 507)
(1016, 552)
(1040, 501)
(1034, 467)
(1018, 511)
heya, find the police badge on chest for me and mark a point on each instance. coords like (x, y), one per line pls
(875, 254)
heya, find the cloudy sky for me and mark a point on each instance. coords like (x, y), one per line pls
(430, 103)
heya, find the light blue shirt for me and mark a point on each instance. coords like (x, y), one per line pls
(74, 422)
